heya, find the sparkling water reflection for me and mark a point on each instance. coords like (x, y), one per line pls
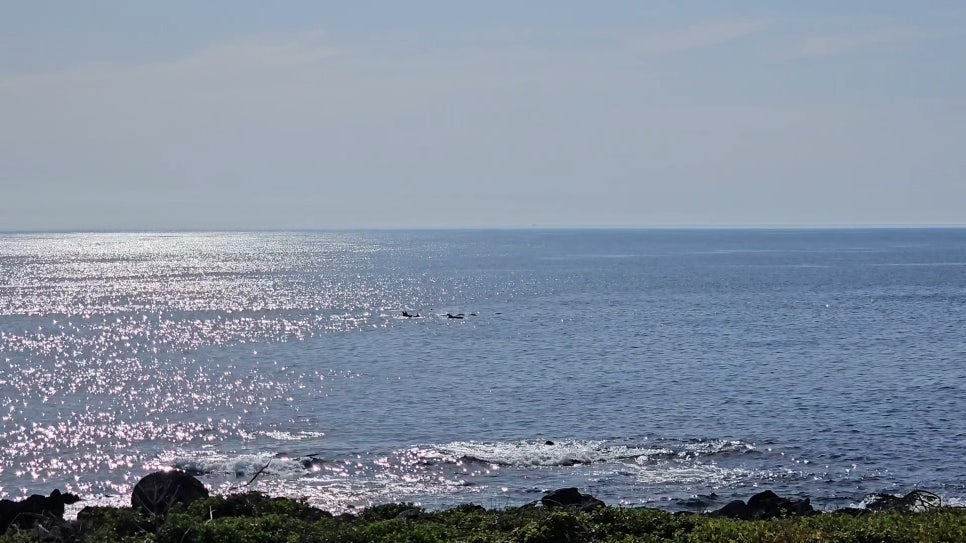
(649, 366)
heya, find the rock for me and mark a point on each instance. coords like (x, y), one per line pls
(570, 497)
(700, 501)
(567, 462)
(310, 462)
(158, 491)
(562, 497)
(31, 511)
(913, 502)
(766, 505)
(733, 509)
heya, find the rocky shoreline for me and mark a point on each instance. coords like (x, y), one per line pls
(164, 503)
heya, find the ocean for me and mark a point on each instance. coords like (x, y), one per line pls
(677, 369)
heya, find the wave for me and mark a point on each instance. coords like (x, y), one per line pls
(529, 453)
(291, 436)
(672, 460)
(673, 472)
(241, 466)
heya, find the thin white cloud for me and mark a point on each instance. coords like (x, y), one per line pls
(698, 36)
(845, 44)
(254, 53)
(293, 130)
(271, 49)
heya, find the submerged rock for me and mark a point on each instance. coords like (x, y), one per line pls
(700, 501)
(571, 497)
(158, 491)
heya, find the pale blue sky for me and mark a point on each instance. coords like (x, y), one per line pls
(186, 115)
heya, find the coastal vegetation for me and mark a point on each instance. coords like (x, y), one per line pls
(254, 518)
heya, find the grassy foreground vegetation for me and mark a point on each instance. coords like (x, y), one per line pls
(255, 518)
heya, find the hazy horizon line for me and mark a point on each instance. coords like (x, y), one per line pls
(489, 228)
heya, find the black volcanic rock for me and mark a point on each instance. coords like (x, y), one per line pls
(570, 497)
(734, 509)
(31, 511)
(158, 491)
(766, 505)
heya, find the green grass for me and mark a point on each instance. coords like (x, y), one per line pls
(255, 518)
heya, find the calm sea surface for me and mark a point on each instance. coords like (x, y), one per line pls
(671, 368)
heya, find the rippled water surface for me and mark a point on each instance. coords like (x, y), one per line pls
(672, 368)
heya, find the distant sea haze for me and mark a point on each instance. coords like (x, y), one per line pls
(673, 368)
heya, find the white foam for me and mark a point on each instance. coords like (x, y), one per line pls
(704, 474)
(571, 452)
(536, 453)
(293, 436)
(716, 446)
(240, 466)
(956, 502)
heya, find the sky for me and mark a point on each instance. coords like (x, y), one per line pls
(252, 115)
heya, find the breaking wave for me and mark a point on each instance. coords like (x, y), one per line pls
(576, 452)
(650, 471)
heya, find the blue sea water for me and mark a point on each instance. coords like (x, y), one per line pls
(670, 368)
